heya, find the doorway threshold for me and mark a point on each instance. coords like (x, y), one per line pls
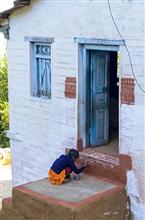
(110, 149)
(102, 164)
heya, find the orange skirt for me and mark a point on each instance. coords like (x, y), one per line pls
(56, 179)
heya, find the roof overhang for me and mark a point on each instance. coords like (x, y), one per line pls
(18, 4)
(5, 30)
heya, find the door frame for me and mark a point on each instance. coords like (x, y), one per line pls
(84, 45)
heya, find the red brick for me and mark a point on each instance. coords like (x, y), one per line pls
(70, 87)
(127, 91)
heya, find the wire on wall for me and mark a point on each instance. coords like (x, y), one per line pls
(131, 65)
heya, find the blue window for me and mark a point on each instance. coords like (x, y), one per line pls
(42, 70)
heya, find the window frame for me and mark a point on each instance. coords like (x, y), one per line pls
(32, 42)
(35, 70)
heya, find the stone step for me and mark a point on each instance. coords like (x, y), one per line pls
(88, 198)
(7, 203)
(7, 210)
(104, 165)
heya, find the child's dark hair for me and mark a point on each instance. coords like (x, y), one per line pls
(73, 153)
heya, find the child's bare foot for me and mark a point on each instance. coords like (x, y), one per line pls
(67, 180)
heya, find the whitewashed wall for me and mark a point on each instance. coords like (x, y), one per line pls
(41, 129)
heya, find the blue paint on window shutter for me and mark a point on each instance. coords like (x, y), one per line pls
(48, 77)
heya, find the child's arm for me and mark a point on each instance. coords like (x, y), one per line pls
(74, 168)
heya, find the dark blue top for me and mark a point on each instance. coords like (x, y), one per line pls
(63, 162)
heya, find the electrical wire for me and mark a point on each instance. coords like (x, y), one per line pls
(129, 56)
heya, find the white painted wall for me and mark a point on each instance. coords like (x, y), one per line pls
(41, 129)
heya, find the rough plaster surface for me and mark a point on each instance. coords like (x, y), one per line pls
(40, 130)
(135, 198)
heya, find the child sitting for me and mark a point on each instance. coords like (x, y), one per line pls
(63, 166)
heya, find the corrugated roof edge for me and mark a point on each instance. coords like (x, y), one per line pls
(17, 5)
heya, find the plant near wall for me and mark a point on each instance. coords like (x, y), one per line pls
(4, 115)
(3, 79)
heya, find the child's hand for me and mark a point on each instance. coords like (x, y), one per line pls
(84, 166)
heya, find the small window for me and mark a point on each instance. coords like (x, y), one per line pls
(41, 79)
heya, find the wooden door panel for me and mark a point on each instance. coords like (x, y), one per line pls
(99, 112)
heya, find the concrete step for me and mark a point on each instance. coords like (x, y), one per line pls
(88, 198)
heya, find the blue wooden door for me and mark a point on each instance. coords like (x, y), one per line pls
(98, 97)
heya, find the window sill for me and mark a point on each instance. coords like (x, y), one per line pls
(40, 99)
